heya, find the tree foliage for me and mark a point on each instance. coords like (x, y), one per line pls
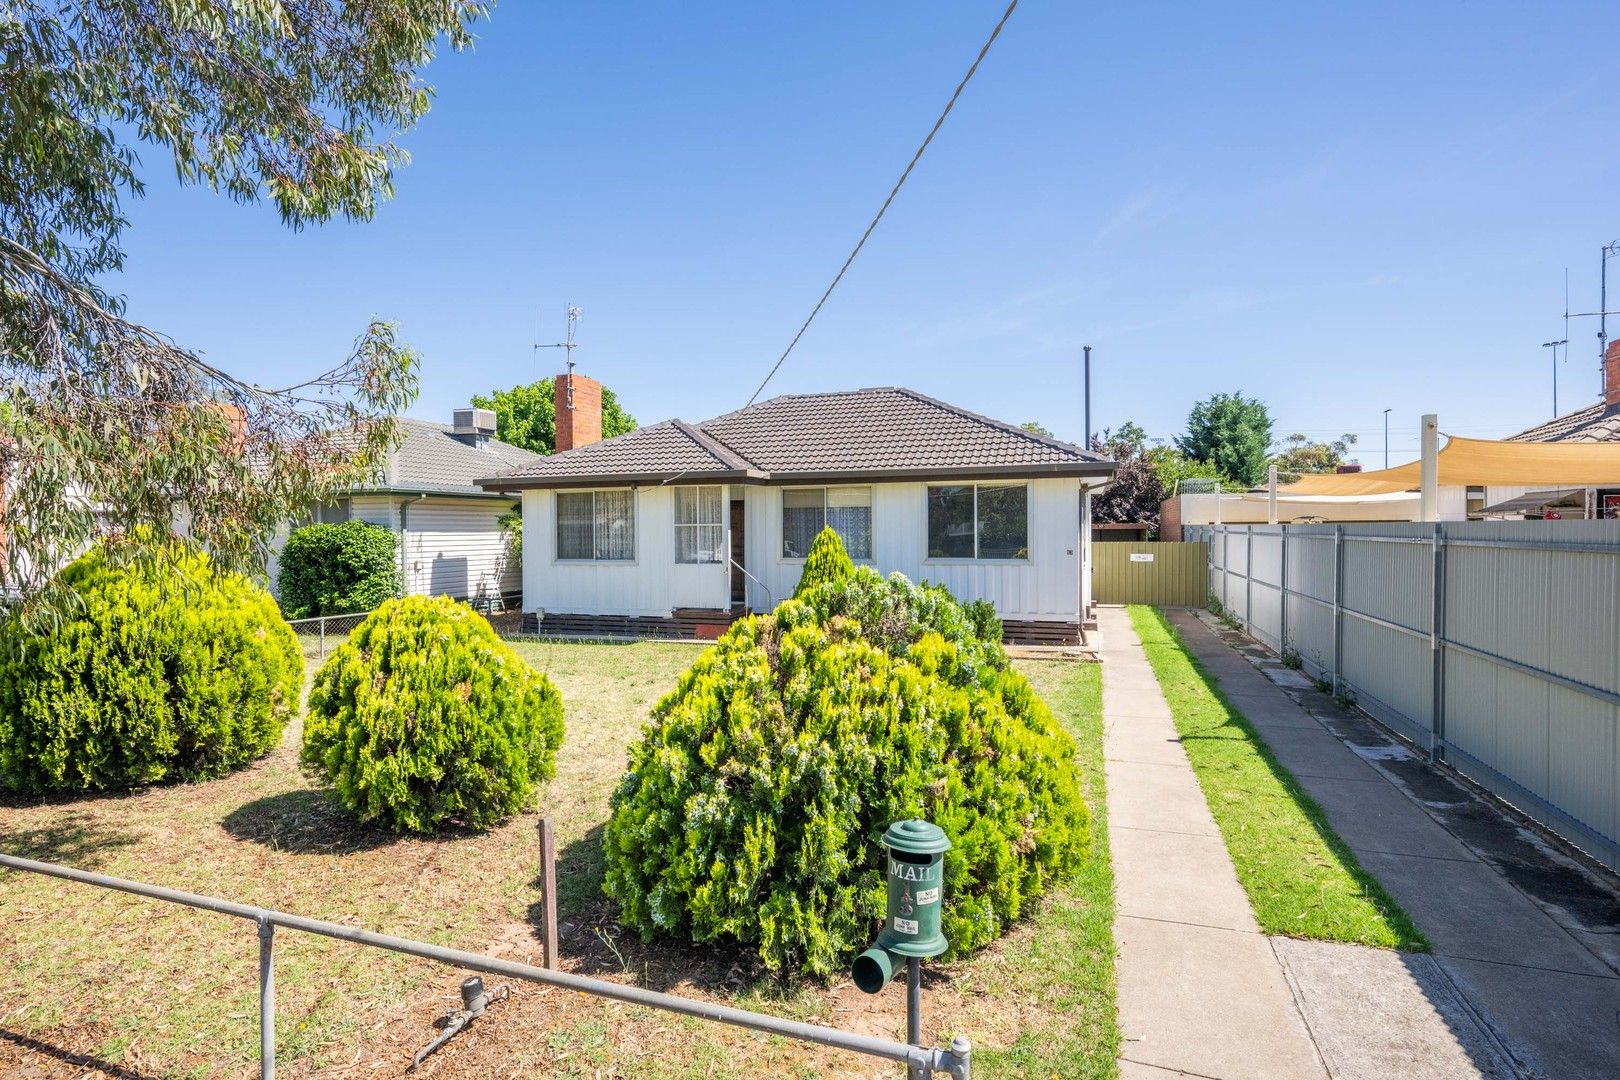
(338, 569)
(110, 426)
(827, 561)
(1299, 456)
(165, 670)
(426, 718)
(1232, 433)
(1035, 427)
(753, 804)
(526, 415)
(1136, 491)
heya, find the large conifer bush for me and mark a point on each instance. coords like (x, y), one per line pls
(161, 669)
(424, 718)
(827, 561)
(753, 803)
(338, 569)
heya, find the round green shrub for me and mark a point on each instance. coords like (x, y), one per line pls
(753, 804)
(164, 669)
(827, 561)
(338, 569)
(424, 717)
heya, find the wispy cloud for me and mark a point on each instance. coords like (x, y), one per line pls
(1141, 209)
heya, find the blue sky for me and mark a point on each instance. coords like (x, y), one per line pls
(1337, 208)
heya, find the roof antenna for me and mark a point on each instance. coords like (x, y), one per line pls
(568, 346)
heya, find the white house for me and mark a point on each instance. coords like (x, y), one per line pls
(676, 528)
(447, 524)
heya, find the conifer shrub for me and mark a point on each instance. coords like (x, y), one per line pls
(163, 669)
(754, 802)
(337, 569)
(425, 718)
(827, 561)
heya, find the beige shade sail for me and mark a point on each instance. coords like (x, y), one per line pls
(1477, 462)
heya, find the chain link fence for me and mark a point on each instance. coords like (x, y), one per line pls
(320, 634)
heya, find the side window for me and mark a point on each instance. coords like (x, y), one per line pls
(978, 521)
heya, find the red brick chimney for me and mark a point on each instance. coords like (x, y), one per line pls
(1611, 373)
(579, 412)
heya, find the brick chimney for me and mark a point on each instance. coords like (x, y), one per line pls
(1611, 373)
(579, 418)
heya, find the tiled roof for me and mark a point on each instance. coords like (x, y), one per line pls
(1595, 423)
(882, 432)
(430, 458)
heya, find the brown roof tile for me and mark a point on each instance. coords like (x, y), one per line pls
(1595, 423)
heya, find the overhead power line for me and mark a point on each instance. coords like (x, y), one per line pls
(949, 105)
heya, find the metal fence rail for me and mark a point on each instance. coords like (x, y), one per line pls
(1496, 645)
(919, 1060)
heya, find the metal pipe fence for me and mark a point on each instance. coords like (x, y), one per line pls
(1493, 645)
(954, 1062)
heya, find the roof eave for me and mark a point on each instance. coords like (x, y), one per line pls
(535, 483)
(1034, 471)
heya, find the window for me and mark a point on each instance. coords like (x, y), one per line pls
(978, 521)
(806, 511)
(597, 525)
(699, 530)
(335, 512)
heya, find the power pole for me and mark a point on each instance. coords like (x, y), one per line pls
(1087, 439)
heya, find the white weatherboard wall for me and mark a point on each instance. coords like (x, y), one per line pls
(651, 584)
(1044, 587)
(455, 547)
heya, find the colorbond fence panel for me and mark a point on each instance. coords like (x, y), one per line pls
(1494, 645)
(1150, 572)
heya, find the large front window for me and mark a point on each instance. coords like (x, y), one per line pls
(598, 525)
(978, 521)
(806, 511)
(699, 531)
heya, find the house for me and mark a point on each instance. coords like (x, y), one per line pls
(676, 528)
(1597, 423)
(451, 541)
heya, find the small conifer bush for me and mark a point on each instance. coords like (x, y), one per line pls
(754, 802)
(338, 569)
(424, 718)
(164, 669)
(827, 561)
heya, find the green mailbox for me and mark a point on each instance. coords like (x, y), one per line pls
(916, 875)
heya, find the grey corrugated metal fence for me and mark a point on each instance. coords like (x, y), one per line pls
(921, 1061)
(1494, 644)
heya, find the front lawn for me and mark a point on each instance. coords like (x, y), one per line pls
(99, 980)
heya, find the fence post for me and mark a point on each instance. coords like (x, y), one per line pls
(1437, 646)
(1248, 581)
(267, 1000)
(322, 655)
(1338, 604)
(1282, 592)
(548, 887)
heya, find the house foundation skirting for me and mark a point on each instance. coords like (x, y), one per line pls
(698, 624)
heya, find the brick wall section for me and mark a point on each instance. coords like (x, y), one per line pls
(582, 424)
(1611, 374)
(1170, 520)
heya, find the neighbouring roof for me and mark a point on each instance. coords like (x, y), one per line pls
(1534, 501)
(431, 460)
(882, 433)
(1595, 423)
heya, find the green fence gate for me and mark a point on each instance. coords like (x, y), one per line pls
(1150, 572)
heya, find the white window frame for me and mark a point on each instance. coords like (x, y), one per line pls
(556, 526)
(1029, 548)
(781, 553)
(718, 523)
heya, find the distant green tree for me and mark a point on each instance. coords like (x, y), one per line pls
(1299, 456)
(1035, 427)
(526, 415)
(1232, 433)
(1172, 467)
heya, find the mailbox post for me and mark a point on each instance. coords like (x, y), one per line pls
(915, 870)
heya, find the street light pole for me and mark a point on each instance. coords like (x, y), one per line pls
(1553, 345)
(1386, 438)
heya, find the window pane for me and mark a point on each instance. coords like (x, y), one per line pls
(697, 506)
(950, 522)
(849, 512)
(698, 543)
(1004, 522)
(574, 525)
(803, 515)
(615, 525)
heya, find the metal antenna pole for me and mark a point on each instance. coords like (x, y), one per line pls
(1087, 440)
(1610, 250)
(568, 347)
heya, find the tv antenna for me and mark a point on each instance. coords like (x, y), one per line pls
(568, 346)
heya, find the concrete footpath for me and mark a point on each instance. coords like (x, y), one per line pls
(1200, 990)
(1522, 973)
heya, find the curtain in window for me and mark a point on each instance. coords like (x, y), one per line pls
(1003, 521)
(849, 512)
(803, 515)
(699, 530)
(950, 522)
(575, 525)
(615, 525)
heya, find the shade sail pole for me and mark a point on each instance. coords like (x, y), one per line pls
(1429, 470)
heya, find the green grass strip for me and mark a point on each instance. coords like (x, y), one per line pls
(1301, 879)
(1063, 963)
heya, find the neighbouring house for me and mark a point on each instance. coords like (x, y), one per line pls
(451, 540)
(1597, 423)
(676, 528)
